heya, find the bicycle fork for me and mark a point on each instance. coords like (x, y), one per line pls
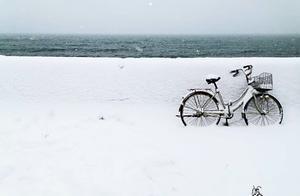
(262, 109)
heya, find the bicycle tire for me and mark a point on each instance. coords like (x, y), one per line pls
(193, 102)
(273, 114)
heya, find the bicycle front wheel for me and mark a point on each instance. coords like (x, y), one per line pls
(263, 110)
(199, 109)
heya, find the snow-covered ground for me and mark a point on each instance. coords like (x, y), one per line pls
(102, 126)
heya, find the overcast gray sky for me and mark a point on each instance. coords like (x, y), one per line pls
(150, 16)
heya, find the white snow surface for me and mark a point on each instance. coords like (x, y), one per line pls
(107, 126)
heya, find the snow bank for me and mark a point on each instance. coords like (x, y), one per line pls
(153, 80)
(101, 126)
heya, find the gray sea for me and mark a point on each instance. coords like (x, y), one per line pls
(150, 45)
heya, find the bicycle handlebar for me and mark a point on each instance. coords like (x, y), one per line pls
(245, 70)
(235, 72)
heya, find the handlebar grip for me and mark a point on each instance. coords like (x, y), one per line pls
(248, 66)
(234, 72)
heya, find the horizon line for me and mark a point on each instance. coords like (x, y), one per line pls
(152, 34)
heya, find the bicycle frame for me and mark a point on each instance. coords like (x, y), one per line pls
(226, 109)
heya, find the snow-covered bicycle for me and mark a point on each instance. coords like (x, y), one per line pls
(203, 107)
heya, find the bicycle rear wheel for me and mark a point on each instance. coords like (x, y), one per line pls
(270, 113)
(197, 109)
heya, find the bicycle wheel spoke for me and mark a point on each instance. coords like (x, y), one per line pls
(195, 101)
(252, 117)
(202, 100)
(263, 120)
(269, 119)
(274, 116)
(273, 120)
(210, 120)
(190, 120)
(253, 113)
(259, 120)
(256, 119)
(198, 100)
(204, 121)
(191, 104)
(191, 108)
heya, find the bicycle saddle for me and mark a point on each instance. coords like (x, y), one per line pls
(212, 79)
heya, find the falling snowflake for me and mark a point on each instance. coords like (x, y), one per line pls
(150, 3)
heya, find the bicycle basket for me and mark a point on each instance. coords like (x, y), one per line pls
(263, 81)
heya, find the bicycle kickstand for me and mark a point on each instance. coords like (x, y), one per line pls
(226, 122)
